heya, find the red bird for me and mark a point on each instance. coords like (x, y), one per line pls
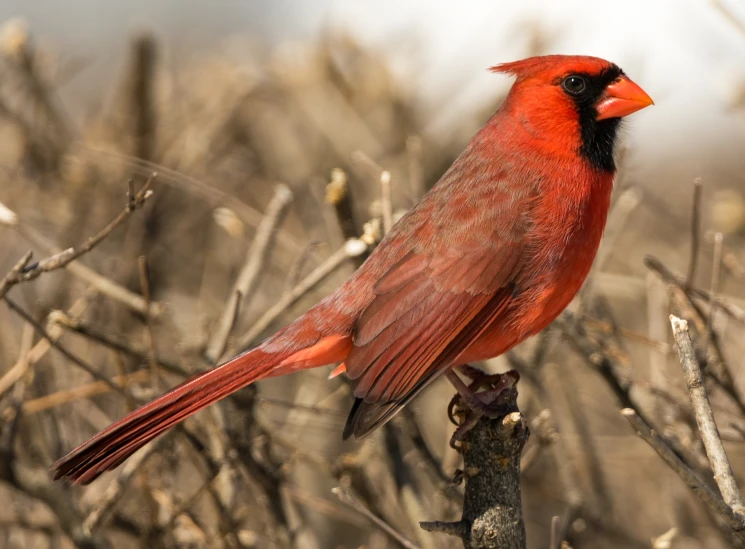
(490, 256)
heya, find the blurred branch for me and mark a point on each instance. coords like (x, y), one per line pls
(115, 490)
(351, 248)
(346, 497)
(67, 354)
(252, 269)
(41, 347)
(100, 283)
(87, 390)
(385, 200)
(610, 368)
(716, 273)
(209, 194)
(23, 59)
(144, 56)
(152, 355)
(729, 16)
(669, 277)
(695, 232)
(416, 172)
(116, 343)
(64, 258)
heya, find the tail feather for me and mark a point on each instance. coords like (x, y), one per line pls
(116, 443)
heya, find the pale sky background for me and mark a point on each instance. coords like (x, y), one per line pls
(685, 53)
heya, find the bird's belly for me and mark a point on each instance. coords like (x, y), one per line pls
(538, 304)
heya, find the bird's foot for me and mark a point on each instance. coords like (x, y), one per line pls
(480, 398)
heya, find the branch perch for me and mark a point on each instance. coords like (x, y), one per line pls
(492, 511)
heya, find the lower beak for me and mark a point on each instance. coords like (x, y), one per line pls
(622, 97)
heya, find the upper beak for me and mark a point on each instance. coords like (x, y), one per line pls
(622, 97)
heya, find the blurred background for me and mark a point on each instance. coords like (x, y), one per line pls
(230, 101)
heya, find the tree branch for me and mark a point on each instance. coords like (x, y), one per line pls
(692, 480)
(705, 418)
(492, 511)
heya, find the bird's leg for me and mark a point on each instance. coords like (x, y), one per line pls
(494, 384)
(476, 403)
(471, 372)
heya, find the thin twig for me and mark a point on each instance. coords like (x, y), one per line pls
(115, 343)
(67, 354)
(556, 536)
(669, 277)
(697, 486)
(252, 269)
(351, 248)
(6, 283)
(416, 173)
(152, 354)
(695, 232)
(65, 257)
(716, 274)
(41, 347)
(413, 430)
(705, 418)
(115, 490)
(385, 200)
(210, 194)
(53, 400)
(346, 497)
(102, 284)
(143, 120)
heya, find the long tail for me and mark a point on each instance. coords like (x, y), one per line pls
(113, 445)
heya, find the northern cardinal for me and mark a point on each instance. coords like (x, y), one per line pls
(490, 256)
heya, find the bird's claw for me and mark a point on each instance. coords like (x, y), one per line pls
(470, 403)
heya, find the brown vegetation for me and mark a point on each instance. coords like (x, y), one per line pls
(265, 171)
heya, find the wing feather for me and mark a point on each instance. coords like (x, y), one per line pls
(465, 247)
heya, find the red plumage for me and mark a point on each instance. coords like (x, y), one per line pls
(491, 255)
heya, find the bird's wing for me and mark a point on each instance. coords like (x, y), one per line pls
(439, 297)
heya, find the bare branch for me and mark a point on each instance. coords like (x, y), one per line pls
(385, 199)
(65, 257)
(14, 273)
(251, 271)
(730, 309)
(351, 248)
(67, 354)
(416, 173)
(697, 486)
(492, 511)
(716, 274)
(695, 232)
(152, 355)
(705, 418)
(115, 490)
(116, 343)
(346, 497)
(87, 390)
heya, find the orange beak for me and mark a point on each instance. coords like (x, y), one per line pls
(622, 97)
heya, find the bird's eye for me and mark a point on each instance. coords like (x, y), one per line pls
(574, 84)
